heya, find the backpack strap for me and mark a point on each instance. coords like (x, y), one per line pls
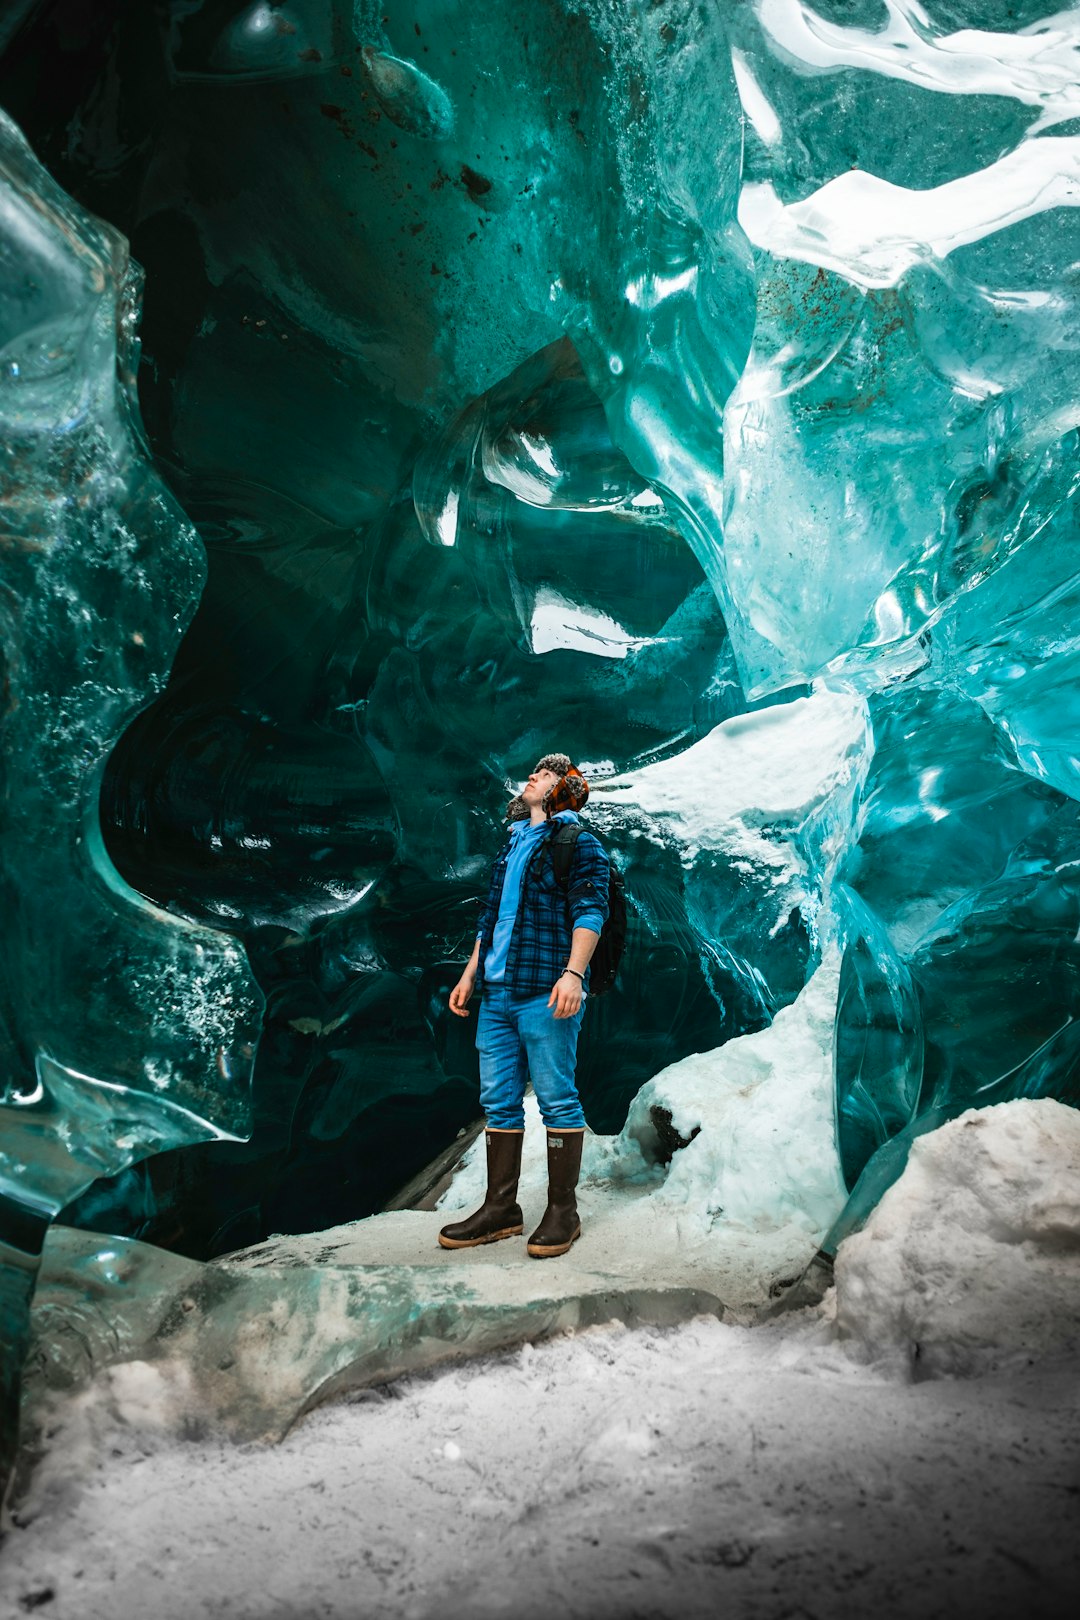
(561, 847)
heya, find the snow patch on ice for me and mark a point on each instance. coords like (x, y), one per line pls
(753, 780)
(777, 761)
(558, 624)
(874, 232)
(1035, 65)
(765, 1154)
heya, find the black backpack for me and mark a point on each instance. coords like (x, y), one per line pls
(604, 966)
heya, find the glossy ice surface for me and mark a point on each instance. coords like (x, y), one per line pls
(590, 376)
(123, 1030)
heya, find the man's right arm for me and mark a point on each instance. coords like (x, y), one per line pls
(462, 991)
(489, 909)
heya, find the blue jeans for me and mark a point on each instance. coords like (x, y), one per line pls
(519, 1038)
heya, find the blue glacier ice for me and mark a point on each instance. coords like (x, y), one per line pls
(598, 377)
(124, 1030)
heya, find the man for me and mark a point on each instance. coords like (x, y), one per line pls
(530, 964)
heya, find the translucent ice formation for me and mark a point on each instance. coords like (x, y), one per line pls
(414, 361)
(605, 379)
(123, 1030)
(900, 486)
(907, 413)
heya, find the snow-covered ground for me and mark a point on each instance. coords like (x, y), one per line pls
(702, 1470)
(821, 1464)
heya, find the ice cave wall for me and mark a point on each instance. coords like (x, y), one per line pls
(383, 416)
(582, 374)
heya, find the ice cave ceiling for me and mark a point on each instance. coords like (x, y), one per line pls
(582, 374)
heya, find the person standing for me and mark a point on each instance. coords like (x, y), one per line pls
(530, 965)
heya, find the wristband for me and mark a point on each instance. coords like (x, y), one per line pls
(575, 972)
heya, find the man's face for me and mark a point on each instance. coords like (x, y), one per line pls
(539, 783)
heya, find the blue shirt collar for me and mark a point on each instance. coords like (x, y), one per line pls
(520, 828)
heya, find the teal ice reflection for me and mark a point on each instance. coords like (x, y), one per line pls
(123, 1030)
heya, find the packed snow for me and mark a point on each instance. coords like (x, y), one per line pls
(772, 764)
(772, 792)
(813, 1466)
(972, 1260)
(759, 1111)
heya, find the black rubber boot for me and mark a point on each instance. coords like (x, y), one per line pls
(499, 1216)
(560, 1226)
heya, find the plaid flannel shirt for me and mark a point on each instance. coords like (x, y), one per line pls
(543, 933)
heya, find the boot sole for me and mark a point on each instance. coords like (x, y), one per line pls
(475, 1243)
(545, 1251)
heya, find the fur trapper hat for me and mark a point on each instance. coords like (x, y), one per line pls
(569, 793)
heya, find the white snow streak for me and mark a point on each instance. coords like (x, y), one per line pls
(873, 232)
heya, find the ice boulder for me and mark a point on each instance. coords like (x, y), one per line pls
(971, 1260)
(757, 1119)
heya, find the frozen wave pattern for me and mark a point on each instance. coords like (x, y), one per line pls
(123, 1030)
(891, 383)
(900, 485)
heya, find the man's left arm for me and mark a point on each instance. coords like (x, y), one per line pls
(588, 887)
(588, 904)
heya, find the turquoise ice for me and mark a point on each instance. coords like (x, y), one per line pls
(588, 378)
(124, 1030)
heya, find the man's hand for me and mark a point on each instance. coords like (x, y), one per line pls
(462, 992)
(566, 996)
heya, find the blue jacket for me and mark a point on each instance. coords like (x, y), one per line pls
(547, 913)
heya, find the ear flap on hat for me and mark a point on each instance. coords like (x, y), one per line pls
(570, 793)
